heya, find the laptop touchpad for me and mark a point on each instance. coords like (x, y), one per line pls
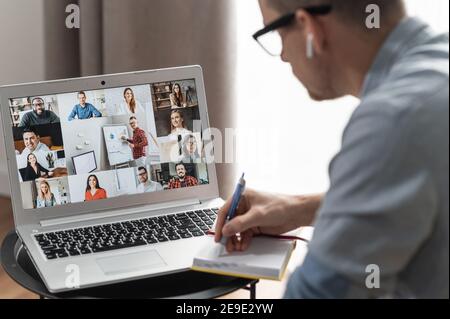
(130, 262)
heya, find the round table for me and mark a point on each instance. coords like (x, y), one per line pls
(184, 285)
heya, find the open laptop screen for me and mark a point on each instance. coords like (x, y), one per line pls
(99, 144)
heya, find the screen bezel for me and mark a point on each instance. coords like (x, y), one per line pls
(33, 216)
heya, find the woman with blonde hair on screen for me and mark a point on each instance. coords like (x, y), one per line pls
(45, 197)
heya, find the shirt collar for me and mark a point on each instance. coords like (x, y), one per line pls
(38, 147)
(39, 116)
(399, 41)
(147, 183)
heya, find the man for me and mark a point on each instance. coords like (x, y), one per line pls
(39, 115)
(183, 180)
(33, 145)
(145, 184)
(83, 111)
(386, 213)
(138, 143)
(189, 152)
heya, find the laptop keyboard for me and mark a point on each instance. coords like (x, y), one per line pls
(107, 237)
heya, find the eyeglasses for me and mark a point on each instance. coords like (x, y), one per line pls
(268, 37)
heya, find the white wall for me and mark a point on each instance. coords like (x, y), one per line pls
(22, 54)
(90, 131)
(127, 181)
(434, 12)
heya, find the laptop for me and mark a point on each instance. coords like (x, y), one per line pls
(100, 191)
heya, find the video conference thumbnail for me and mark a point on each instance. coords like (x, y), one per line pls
(94, 145)
(176, 108)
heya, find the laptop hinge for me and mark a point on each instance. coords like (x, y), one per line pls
(121, 212)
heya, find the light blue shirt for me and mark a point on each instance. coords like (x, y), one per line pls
(149, 187)
(42, 203)
(388, 203)
(84, 113)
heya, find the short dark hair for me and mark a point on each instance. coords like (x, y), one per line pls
(133, 118)
(142, 168)
(29, 130)
(179, 165)
(353, 11)
(37, 98)
(82, 93)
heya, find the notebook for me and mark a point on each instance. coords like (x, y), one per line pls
(266, 258)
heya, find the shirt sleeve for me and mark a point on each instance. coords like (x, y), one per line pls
(314, 280)
(140, 139)
(95, 111)
(194, 181)
(72, 114)
(172, 184)
(43, 169)
(381, 204)
(54, 118)
(25, 122)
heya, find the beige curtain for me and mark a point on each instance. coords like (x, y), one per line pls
(120, 36)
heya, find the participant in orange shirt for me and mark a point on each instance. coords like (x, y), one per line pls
(93, 190)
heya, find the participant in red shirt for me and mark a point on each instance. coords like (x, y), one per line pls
(93, 190)
(138, 143)
(182, 180)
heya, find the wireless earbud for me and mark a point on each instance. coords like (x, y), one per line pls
(310, 46)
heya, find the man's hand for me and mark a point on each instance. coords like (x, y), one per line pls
(264, 213)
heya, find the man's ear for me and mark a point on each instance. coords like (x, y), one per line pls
(311, 26)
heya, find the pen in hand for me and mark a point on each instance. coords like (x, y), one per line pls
(240, 187)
